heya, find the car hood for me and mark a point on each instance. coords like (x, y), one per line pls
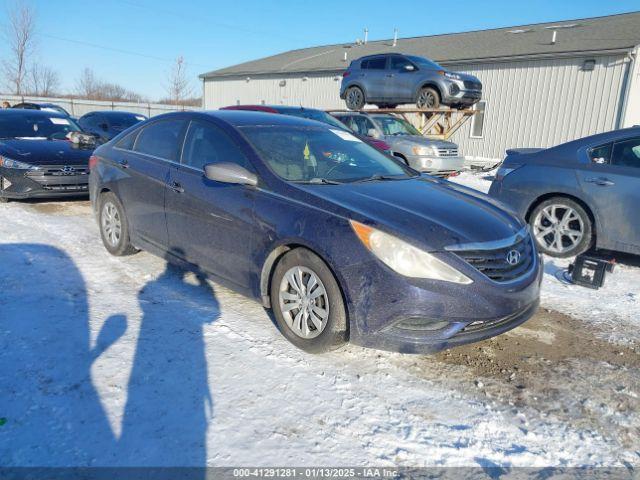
(45, 152)
(425, 211)
(413, 140)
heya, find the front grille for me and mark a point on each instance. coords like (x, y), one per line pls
(447, 152)
(471, 85)
(499, 264)
(59, 171)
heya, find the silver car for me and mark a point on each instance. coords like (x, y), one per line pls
(437, 157)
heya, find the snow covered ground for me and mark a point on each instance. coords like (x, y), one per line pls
(127, 361)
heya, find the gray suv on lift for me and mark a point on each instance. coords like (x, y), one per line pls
(391, 79)
(436, 157)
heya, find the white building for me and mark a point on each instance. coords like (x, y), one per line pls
(544, 84)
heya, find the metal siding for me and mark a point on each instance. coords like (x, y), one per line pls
(534, 103)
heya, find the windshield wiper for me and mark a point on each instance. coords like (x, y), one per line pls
(377, 177)
(319, 181)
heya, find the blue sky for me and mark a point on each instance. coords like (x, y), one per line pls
(133, 42)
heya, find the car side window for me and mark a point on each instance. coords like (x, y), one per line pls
(398, 63)
(626, 153)
(206, 143)
(362, 125)
(161, 139)
(601, 154)
(127, 142)
(377, 63)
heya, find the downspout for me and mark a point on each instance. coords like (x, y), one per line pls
(632, 56)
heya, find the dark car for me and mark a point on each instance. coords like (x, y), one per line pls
(37, 159)
(581, 194)
(343, 242)
(312, 114)
(47, 107)
(391, 79)
(106, 125)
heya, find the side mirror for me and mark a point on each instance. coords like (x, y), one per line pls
(408, 68)
(373, 133)
(230, 173)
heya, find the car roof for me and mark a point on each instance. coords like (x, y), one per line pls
(271, 108)
(242, 118)
(111, 112)
(17, 112)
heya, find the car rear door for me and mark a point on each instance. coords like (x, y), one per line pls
(373, 77)
(611, 182)
(400, 83)
(145, 174)
(211, 223)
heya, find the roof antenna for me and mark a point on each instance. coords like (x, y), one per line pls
(395, 37)
(553, 37)
(366, 35)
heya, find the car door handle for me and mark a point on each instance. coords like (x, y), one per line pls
(176, 187)
(603, 182)
(389, 75)
(124, 163)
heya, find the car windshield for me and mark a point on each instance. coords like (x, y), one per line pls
(395, 126)
(36, 126)
(425, 62)
(321, 155)
(317, 115)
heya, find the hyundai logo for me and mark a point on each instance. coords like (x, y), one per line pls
(513, 257)
(67, 170)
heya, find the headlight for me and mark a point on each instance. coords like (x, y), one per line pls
(404, 258)
(454, 76)
(9, 163)
(424, 151)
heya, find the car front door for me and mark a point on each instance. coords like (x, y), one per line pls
(374, 76)
(400, 81)
(611, 182)
(211, 223)
(145, 170)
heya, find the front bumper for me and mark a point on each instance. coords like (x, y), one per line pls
(463, 97)
(436, 165)
(49, 182)
(396, 313)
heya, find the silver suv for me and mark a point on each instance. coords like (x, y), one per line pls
(437, 157)
(391, 79)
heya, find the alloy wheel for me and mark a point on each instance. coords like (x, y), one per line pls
(559, 228)
(111, 223)
(304, 302)
(426, 99)
(355, 98)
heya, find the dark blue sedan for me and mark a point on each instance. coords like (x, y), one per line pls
(341, 241)
(578, 195)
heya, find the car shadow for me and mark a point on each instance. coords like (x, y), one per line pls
(51, 413)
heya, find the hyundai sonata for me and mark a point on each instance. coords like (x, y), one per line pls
(343, 242)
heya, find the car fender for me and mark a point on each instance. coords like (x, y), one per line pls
(429, 82)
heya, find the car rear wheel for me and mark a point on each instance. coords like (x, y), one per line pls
(561, 227)
(307, 302)
(114, 228)
(428, 97)
(354, 98)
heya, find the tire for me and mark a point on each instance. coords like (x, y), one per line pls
(354, 98)
(428, 98)
(570, 234)
(114, 227)
(311, 331)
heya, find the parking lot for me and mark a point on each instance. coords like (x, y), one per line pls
(137, 363)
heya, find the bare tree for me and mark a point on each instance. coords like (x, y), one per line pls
(179, 86)
(43, 80)
(20, 36)
(87, 86)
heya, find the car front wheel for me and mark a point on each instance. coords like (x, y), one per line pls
(307, 302)
(114, 228)
(354, 98)
(561, 227)
(428, 98)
